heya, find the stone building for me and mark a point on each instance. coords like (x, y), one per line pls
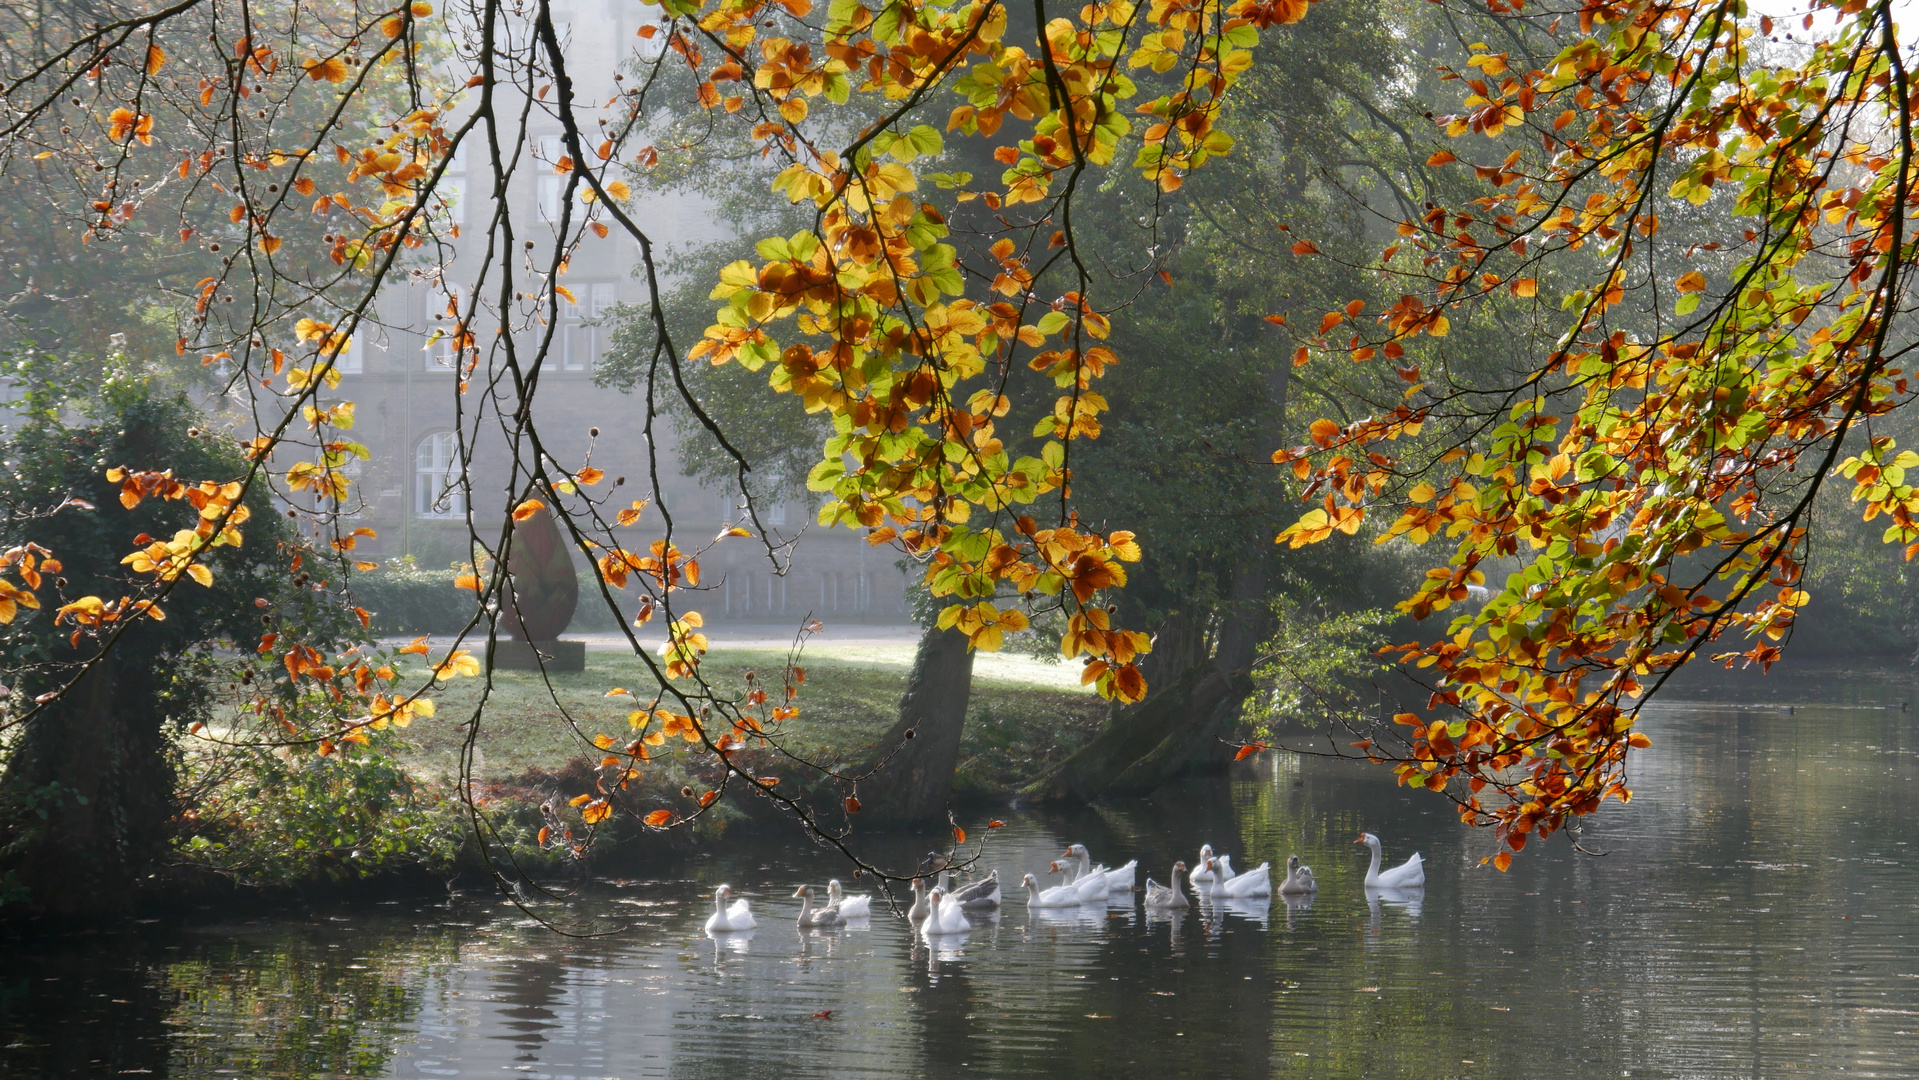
(404, 386)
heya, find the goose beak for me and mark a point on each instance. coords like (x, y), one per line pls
(1361, 840)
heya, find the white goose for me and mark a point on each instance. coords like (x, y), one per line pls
(1299, 879)
(1090, 887)
(1120, 880)
(725, 917)
(1410, 874)
(1059, 896)
(947, 917)
(853, 907)
(1255, 882)
(830, 915)
(1167, 897)
(1205, 873)
(921, 906)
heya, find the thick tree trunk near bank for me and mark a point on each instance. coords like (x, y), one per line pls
(1148, 743)
(84, 802)
(1180, 725)
(916, 783)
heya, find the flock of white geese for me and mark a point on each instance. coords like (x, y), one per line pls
(943, 908)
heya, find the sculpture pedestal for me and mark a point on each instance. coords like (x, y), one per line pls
(512, 654)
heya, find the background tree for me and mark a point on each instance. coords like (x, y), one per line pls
(87, 793)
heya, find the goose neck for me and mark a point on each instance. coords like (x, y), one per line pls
(1372, 872)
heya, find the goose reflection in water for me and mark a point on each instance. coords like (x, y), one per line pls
(1413, 901)
(729, 941)
(1297, 906)
(1257, 909)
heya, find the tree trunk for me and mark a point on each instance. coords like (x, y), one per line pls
(1146, 744)
(915, 783)
(85, 802)
(1179, 726)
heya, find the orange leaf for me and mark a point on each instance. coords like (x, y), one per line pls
(659, 818)
(545, 833)
(996, 824)
(1276, 320)
(596, 811)
(1503, 860)
(852, 805)
(527, 509)
(1305, 247)
(1442, 157)
(959, 835)
(1330, 320)
(1248, 750)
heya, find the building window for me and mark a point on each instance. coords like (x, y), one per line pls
(436, 477)
(776, 515)
(604, 297)
(440, 352)
(453, 195)
(349, 360)
(549, 189)
(579, 347)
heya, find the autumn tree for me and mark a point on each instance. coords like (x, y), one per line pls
(1681, 402)
(1656, 475)
(872, 314)
(86, 796)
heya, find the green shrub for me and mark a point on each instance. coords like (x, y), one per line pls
(266, 815)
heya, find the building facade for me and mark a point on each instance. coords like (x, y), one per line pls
(414, 421)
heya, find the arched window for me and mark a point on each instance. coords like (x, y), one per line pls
(436, 477)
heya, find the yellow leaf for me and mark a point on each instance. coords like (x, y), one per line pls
(1525, 287)
(1691, 281)
(567, 293)
(156, 59)
(527, 509)
(619, 190)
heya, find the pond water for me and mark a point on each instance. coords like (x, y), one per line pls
(1756, 914)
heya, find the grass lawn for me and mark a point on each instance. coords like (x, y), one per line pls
(1023, 713)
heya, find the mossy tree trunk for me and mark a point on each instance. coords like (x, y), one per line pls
(85, 802)
(917, 757)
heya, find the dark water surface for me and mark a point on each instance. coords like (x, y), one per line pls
(1757, 915)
